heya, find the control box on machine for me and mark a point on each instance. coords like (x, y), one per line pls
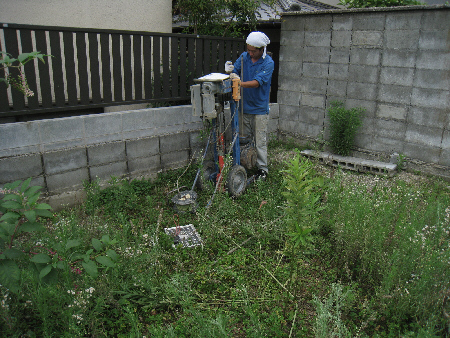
(205, 93)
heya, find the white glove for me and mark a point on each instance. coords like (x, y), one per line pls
(234, 76)
(229, 67)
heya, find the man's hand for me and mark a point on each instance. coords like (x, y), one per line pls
(229, 67)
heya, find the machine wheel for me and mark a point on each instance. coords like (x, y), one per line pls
(248, 157)
(204, 181)
(237, 181)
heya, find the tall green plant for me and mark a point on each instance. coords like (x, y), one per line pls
(21, 214)
(302, 194)
(344, 124)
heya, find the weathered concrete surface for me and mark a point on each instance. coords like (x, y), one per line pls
(395, 62)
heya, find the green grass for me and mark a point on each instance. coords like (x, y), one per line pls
(378, 263)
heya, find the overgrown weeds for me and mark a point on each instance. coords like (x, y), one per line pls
(377, 263)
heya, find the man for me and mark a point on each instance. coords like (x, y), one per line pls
(257, 76)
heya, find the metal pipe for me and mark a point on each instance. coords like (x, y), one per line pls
(204, 155)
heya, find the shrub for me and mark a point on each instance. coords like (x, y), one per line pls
(344, 124)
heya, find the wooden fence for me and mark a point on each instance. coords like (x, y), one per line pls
(92, 68)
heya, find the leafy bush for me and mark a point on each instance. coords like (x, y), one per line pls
(344, 124)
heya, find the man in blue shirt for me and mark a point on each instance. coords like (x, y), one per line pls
(257, 76)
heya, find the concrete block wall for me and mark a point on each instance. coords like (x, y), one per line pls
(61, 154)
(394, 62)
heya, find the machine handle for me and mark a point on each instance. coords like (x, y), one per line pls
(236, 89)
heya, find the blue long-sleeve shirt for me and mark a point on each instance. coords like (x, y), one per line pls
(256, 100)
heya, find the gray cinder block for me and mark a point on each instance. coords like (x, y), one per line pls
(64, 160)
(67, 181)
(106, 153)
(20, 168)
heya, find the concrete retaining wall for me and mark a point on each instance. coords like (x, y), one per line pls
(61, 154)
(393, 62)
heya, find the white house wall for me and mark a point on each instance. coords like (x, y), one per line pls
(139, 15)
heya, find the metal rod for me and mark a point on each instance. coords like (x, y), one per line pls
(203, 158)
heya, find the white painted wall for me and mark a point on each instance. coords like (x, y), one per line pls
(139, 15)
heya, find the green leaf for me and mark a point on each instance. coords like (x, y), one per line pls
(12, 205)
(105, 239)
(13, 185)
(30, 215)
(32, 200)
(9, 228)
(112, 254)
(61, 265)
(71, 243)
(43, 213)
(9, 275)
(87, 255)
(31, 226)
(10, 217)
(32, 191)
(91, 268)
(45, 271)
(14, 197)
(13, 253)
(97, 244)
(25, 185)
(106, 261)
(43, 206)
(41, 258)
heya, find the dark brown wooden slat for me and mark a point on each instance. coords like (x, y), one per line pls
(58, 80)
(137, 53)
(147, 50)
(228, 53)
(221, 57)
(236, 47)
(199, 58)
(29, 68)
(83, 79)
(44, 70)
(191, 61)
(183, 67)
(4, 101)
(106, 68)
(117, 68)
(94, 68)
(156, 66)
(69, 61)
(206, 56)
(174, 67)
(127, 72)
(165, 67)
(12, 47)
(214, 58)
